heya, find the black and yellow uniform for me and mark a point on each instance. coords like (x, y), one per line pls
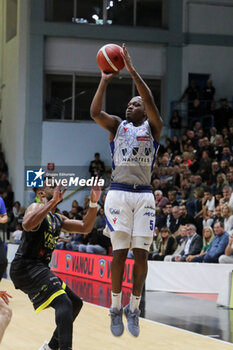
(29, 269)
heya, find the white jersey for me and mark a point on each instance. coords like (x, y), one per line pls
(133, 154)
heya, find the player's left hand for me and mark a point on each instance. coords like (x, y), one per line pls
(95, 193)
(5, 296)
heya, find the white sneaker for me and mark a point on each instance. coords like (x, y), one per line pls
(45, 346)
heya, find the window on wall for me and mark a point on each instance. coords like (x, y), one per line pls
(68, 97)
(58, 97)
(118, 94)
(85, 88)
(147, 13)
(59, 10)
(11, 19)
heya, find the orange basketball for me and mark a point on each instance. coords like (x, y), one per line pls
(109, 58)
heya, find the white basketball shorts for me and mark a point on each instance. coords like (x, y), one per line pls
(130, 212)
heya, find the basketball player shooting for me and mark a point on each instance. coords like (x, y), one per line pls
(129, 205)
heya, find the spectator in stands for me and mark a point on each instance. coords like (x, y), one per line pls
(175, 219)
(97, 167)
(213, 134)
(205, 165)
(227, 196)
(223, 114)
(227, 258)
(172, 198)
(217, 246)
(19, 219)
(16, 209)
(219, 147)
(218, 215)
(175, 123)
(63, 240)
(160, 200)
(74, 214)
(198, 202)
(228, 217)
(184, 217)
(208, 236)
(208, 218)
(98, 243)
(166, 216)
(215, 170)
(8, 196)
(100, 221)
(196, 111)
(17, 234)
(186, 190)
(224, 166)
(226, 154)
(181, 241)
(225, 134)
(3, 214)
(221, 182)
(176, 148)
(193, 244)
(229, 177)
(75, 203)
(166, 245)
(192, 92)
(208, 93)
(209, 198)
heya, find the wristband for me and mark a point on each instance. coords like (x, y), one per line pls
(92, 204)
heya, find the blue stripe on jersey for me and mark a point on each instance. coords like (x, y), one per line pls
(156, 146)
(108, 223)
(112, 146)
(130, 188)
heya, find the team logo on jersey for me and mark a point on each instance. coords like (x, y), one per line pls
(114, 220)
(68, 261)
(35, 178)
(125, 128)
(102, 265)
(147, 151)
(124, 151)
(135, 150)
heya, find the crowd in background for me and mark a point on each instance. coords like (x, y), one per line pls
(192, 182)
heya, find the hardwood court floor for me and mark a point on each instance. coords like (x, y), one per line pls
(27, 331)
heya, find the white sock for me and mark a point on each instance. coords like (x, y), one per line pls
(116, 300)
(134, 302)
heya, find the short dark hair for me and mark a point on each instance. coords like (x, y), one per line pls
(220, 222)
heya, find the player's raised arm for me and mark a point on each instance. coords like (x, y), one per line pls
(152, 112)
(36, 212)
(107, 121)
(85, 225)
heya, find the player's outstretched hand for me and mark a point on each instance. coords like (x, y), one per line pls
(5, 296)
(127, 59)
(95, 193)
(58, 194)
